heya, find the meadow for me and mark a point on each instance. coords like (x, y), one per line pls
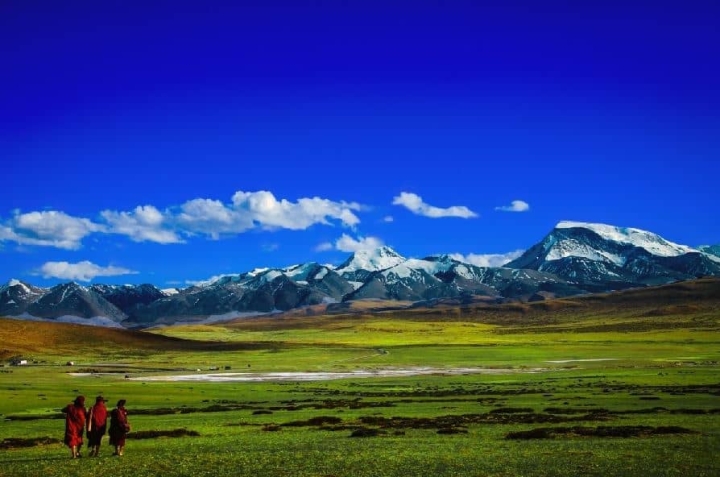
(620, 384)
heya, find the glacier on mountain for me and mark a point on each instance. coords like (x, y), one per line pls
(649, 241)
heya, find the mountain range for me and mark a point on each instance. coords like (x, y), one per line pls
(574, 258)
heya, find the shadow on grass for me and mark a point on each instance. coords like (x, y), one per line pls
(20, 442)
(36, 459)
(600, 431)
(153, 434)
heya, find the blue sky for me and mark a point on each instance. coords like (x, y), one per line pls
(167, 143)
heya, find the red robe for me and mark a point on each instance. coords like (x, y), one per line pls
(74, 424)
(119, 426)
(97, 423)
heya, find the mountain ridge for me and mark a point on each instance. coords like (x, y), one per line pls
(573, 258)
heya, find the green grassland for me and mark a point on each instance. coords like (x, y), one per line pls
(618, 384)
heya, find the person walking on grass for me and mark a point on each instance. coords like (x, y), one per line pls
(75, 414)
(96, 425)
(119, 427)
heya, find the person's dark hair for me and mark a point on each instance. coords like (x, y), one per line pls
(99, 399)
(80, 401)
(121, 403)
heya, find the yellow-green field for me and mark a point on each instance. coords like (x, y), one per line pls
(619, 384)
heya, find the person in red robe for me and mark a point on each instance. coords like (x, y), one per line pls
(96, 425)
(119, 427)
(75, 415)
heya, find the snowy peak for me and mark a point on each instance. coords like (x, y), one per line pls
(304, 272)
(414, 268)
(19, 287)
(600, 255)
(372, 260)
(649, 241)
(711, 251)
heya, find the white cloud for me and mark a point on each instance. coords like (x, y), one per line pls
(201, 216)
(487, 260)
(415, 204)
(247, 211)
(388, 218)
(263, 208)
(324, 247)
(48, 229)
(82, 271)
(347, 243)
(515, 206)
(143, 224)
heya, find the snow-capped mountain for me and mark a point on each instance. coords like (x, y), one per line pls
(16, 296)
(602, 256)
(713, 250)
(71, 299)
(573, 258)
(364, 262)
(442, 276)
(129, 297)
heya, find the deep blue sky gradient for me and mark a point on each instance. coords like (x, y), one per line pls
(585, 110)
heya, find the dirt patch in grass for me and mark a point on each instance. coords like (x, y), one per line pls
(487, 393)
(160, 411)
(367, 432)
(153, 434)
(452, 430)
(512, 410)
(600, 431)
(315, 421)
(331, 404)
(20, 442)
(575, 410)
(460, 421)
(450, 424)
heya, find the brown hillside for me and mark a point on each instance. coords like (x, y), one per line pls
(29, 337)
(692, 299)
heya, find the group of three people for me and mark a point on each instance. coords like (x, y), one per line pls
(94, 422)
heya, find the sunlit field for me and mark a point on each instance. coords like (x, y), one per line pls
(572, 389)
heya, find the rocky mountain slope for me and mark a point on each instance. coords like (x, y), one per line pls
(574, 258)
(603, 257)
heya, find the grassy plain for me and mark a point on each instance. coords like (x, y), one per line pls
(618, 384)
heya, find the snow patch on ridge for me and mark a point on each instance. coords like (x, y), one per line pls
(649, 241)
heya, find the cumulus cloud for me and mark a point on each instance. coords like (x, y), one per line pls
(82, 271)
(487, 260)
(263, 208)
(143, 224)
(416, 205)
(48, 229)
(347, 243)
(515, 206)
(246, 211)
(210, 217)
(201, 216)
